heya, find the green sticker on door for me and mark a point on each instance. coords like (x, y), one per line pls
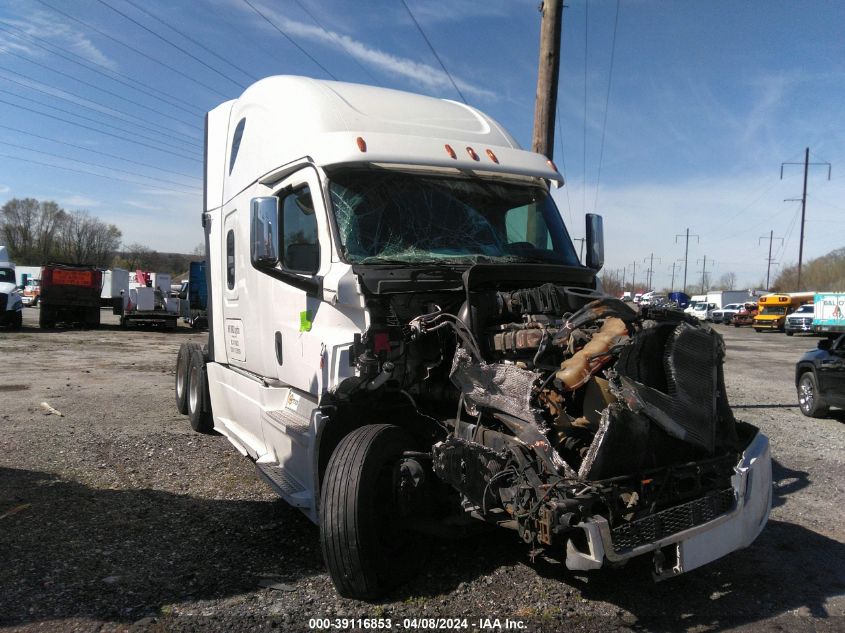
(305, 321)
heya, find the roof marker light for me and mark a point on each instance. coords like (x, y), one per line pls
(362, 144)
(492, 156)
(552, 165)
(450, 151)
(472, 154)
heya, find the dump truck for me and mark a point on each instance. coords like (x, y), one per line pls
(403, 340)
(70, 293)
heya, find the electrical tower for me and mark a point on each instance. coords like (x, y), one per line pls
(675, 264)
(769, 260)
(686, 253)
(650, 271)
(703, 271)
(806, 164)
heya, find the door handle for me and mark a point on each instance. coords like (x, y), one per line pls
(279, 348)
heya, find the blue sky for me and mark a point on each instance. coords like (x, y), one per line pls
(706, 100)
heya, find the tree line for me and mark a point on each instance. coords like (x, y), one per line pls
(36, 232)
(823, 274)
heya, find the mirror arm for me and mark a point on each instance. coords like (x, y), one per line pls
(313, 286)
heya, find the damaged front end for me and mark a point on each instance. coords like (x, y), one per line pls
(596, 432)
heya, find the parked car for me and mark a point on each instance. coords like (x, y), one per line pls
(745, 315)
(31, 292)
(800, 321)
(820, 378)
(703, 310)
(725, 314)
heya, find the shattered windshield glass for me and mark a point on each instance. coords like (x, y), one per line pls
(387, 216)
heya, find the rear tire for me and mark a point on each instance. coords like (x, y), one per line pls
(46, 318)
(17, 320)
(367, 546)
(790, 333)
(810, 401)
(198, 411)
(183, 363)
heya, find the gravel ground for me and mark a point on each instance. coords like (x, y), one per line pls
(114, 516)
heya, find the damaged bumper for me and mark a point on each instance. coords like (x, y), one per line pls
(690, 535)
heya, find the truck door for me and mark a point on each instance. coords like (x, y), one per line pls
(300, 355)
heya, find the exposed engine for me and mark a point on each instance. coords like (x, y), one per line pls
(555, 404)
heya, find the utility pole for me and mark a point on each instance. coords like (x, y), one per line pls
(807, 164)
(704, 274)
(624, 270)
(650, 271)
(545, 104)
(686, 254)
(633, 280)
(581, 249)
(674, 265)
(769, 259)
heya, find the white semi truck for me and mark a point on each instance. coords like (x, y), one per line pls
(401, 337)
(11, 305)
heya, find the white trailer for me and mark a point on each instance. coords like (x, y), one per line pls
(401, 334)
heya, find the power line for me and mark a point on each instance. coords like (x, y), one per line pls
(584, 147)
(189, 140)
(434, 52)
(88, 173)
(769, 260)
(607, 103)
(167, 41)
(563, 163)
(87, 118)
(94, 86)
(97, 151)
(82, 162)
(133, 49)
(88, 127)
(289, 39)
(334, 36)
(194, 41)
(92, 66)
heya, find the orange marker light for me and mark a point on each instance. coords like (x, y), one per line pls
(450, 151)
(472, 154)
(362, 144)
(492, 156)
(552, 165)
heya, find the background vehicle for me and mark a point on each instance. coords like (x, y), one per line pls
(148, 303)
(724, 297)
(401, 335)
(820, 378)
(70, 293)
(829, 312)
(11, 306)
(800, 321)
(772, 310)
(726, 313)
(31, 293)
(745, 315)
(193, 297)
(680, 299)
(693, 301)
(703, 310)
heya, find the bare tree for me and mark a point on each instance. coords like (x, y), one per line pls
(86, 240)
(727, 281)
(28, 229)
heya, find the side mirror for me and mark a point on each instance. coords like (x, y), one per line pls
(264, 231)
(595, 241)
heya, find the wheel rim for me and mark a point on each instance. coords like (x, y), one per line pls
(193, 390)
(180, 377)
(806, 394)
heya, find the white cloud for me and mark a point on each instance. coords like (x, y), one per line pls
(429, 76)
(79, 201)
(146, 206)
(53, 28)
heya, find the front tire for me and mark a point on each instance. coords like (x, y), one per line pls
(17, 320)
(810, 401)
(199, 415)
(366, 543)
